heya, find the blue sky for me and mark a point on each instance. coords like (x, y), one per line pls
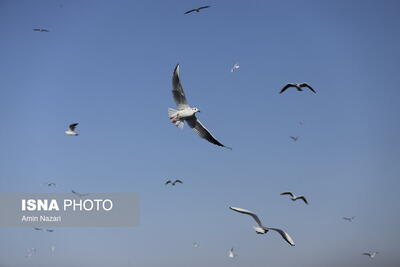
(108, 66)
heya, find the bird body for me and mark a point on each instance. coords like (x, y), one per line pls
(235, 67)
(350, 219)
(294, 138)
(231, 254)
(71, 130)
(293, 197)
(371, 255)
(298, 86)
(40, 30)
(260, 229)
(185, 113)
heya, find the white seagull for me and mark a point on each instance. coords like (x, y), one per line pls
(187, 113)
(350, 219)
(371, 255)
(260, 229)
(235, 67)
(71, 129)
(231, 254)
(293, 197)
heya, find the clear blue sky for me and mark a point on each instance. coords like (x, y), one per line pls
(108, 66)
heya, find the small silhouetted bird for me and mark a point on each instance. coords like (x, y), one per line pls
(196, 9)
(173, 182)
(298, 86)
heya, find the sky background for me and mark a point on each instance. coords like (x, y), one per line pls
(108, 65)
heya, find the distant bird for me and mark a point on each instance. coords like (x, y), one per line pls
(298, 86)
(52, 248)
(195, 244)
(50, 184)
(30, 252)
(294, 138)
(187, 113)
(260, 229)
(173, 182)
(350, 219)
(231, 254)
(71, 129)
(371, 255)
(196, 9)
(40, 30)
(49, 230)
(79, 194)
(38, 229)
(235, 67)
(293, 197)
(301, 123)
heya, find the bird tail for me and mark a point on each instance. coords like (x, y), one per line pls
(172, 115)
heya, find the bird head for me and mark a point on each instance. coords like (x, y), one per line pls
(195, 110)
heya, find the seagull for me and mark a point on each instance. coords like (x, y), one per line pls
(371, 255)
(293, 197)
(173, 182)
(235, 67)
(301, 123)
(294, 138)
(52, 248)
(350, 219)
(196, 9)
(231, 254)
(49, 230)
(38, 229)
(298, 86)
(71, 129)
(40, 30)
(187, 113)
(50, 184)
(79, 194)
(260, 229)
(195, 244)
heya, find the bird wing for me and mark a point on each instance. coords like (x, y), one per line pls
(286, 87)
(178, 181)
(302, 198)
(284, 235)
(177, 90)
(294, 138)
(203, 7)
(202, 131)
(168, 182)
(73, 126)
(308, 86)
(255, 217)
(368, 254)
(287, 193)
(190, 11)
(36, 30)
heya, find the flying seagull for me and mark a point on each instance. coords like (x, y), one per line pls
(231, 254)
(38, 229)
(371, 255)
(350, 219)
(173, 182)
(50, 184)
(294, 138)
(260, 229)
(49, 230)
(71, 129)
(79, 194)
(187, 113)
(235, 67)
(195, 244)
(196, 9)
(293, 197)
(40, 30)
(298, 86)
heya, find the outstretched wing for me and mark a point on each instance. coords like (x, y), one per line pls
(284, 235)
(177, 90)
(286, 87)
(203, 7)
(190, 11)
(73, 126)
(255, 217)
(302, 198)
(367, 254)
(308, 86)
(202, 131)
(178, 181)
(168, 182)
(287, 193)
